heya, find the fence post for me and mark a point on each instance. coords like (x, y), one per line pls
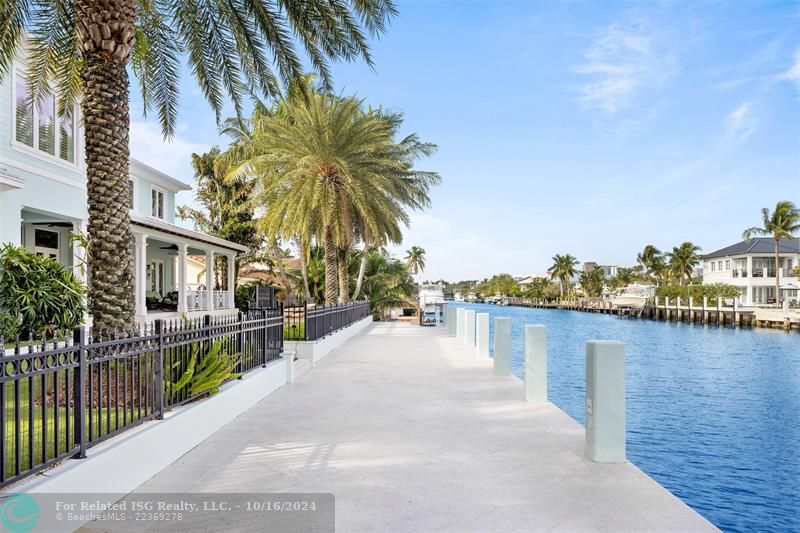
(265, 342)
(79, 393)
(159, 370)
(240, 336)
(305, 321)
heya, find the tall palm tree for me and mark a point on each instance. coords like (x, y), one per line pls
(415, 259)
(683, 259)
(782, 223)
(85, 46)
(652, 260)
(563, 269)
(330, 169)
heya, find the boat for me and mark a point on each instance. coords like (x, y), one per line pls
(431, 304)
(457, 297)
(633, 296)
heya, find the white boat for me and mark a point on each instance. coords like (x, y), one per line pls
(457, 297)
(633, 296)
(431, 304)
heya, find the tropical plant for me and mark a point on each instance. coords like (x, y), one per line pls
(85, 46)
(592, 282)
(415, 259)
(652, 261)
(499, 284)
(697, 292)
(538, 288)
(204, 373)
(9, 326)
(40, 291)
(624, 277)
(387, 282)
(782, 223)
(563, 269)
(682, 260)
(330, 170)
(227, 212)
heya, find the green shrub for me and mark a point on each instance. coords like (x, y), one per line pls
(9, 325)
(697, 292)
(41, 292)
(244, 293)
(205, 374)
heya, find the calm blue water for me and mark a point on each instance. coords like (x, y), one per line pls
(712, 414)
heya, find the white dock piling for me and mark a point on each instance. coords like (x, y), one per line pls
(469, 328)
(605, 401)
(502, 345)
(535, 363)
(482, 334)
(460, 323)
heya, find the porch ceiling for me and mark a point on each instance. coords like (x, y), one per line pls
(170, 233)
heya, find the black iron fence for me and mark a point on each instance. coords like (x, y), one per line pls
(60, 396)
(310, 323)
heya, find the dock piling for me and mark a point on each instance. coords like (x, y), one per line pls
(502, 345)
(482, 334)
(535, 363)
(605, 401)
(469, 328)
(460, 323)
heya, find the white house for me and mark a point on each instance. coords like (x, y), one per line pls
(750, 265)
(43, 200)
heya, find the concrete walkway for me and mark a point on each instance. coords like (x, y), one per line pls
(411, 432)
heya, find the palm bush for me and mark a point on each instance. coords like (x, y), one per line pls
(697, 292)
(44, 295)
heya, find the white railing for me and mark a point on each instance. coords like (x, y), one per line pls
(197, 300)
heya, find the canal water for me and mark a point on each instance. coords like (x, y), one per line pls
(713, 414)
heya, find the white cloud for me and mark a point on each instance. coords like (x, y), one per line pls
(740, 123)
(171, 157)
(793, 74)
(623, 61)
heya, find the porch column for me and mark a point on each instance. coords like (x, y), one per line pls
(210, 278)
(141, 274)
(231, 301)
(79, 266)
(183, 255)
(749, 266)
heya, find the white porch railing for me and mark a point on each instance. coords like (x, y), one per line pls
(197, 300)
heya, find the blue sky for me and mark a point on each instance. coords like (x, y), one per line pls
(590, 128)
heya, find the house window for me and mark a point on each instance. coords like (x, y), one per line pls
(157, 203)
(45, 243)
(24, 113)
(727, 264)
(713, 266)
(66, 130)
(47, 124)
(40, 127)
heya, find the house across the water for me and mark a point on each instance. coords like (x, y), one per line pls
(750, 265)
(43, 200)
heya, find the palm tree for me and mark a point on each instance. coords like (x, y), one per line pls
(329, 169)
(652, 260)
(415, 259)
(563, 269)
(85, 46)
(682, 260)
(782, 223)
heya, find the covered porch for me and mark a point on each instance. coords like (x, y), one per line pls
(172, 274)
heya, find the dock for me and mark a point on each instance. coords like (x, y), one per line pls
(411, 431)
(716, 313)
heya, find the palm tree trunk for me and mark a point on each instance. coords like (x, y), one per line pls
(344, 282)
(330, 266)
(304, 272)
(105, 35)
(362, 268)
(777, 273)
(287, 286)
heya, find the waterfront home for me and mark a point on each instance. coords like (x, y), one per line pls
(750, 265)
(43, 200)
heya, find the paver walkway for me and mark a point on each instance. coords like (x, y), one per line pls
(412, 432)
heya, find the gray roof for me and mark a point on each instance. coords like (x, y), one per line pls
(757, 245)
